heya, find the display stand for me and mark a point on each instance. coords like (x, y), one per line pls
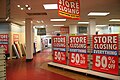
(85, 71)
(2, 65)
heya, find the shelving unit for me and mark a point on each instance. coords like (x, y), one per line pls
(2, 65)
(109, 76)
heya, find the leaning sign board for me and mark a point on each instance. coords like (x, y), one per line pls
(105, 53)
(69, 9)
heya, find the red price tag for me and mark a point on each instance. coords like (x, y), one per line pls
(103, 63)
(78, 60)
(59, 57)
(5, 47)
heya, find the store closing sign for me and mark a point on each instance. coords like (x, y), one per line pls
(105, 57)
(69, 8)
(78, 51)
(59, 49)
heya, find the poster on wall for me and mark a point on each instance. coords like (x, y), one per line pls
(105, 53)
(64, 30)
(4, 42)
(69, 9)
(59, 49)
(78, 51)
(15, 37)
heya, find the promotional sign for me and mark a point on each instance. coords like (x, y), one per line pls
(103, 63)
(59, 49)
(4, 42)
(59, 57)
(64, 30)
(69, 8)
(4, 47)
(3, 37)
(15, 37)
(41, 31)
(105, 49)
(78, 51)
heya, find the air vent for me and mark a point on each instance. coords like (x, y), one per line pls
(37, 14)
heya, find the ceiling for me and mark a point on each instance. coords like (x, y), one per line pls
(86, 6)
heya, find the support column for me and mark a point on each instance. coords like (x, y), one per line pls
(92, 27)
(73, 29)
(29, 39)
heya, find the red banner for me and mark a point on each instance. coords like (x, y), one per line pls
(78, 42)
(59, 41)
(5, 48)
(15, 37)
(3, 37)
(78, 60)
(103, 63)
(69, 9)
(59, 57)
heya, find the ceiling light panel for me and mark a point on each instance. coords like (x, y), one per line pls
(50, 6)
(57, 19)
(98, 13)
(58, 25)
(101, 25)
(83, 22)
(117, 20)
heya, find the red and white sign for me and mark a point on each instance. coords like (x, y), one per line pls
(4, 47)
(105, 42)
(15, 37)
(59, 41)
(59, 57)
(3, 37)
(64, 30)
(78, 42)
(103, 63)
(69, 8)
(78, 60)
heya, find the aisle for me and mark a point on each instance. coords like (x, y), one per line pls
(19, 69)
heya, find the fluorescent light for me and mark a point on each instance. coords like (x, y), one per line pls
(98, 13)
(57, 19)
(50, 6)
(26, 5)
(58, 25)
(83, 22)
(114, 20)
(101, 25)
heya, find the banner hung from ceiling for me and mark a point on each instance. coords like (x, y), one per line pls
(69, 9)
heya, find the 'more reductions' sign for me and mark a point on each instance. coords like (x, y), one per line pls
(105, 53)
(78, 51)
(69, 8)
(59, 49)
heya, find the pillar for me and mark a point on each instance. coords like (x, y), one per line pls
(92, 27)
(73, 29)
(29, 39)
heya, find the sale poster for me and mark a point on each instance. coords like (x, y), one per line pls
(69, 9)
(59, 49)
(105, 53)
(15, 37)
(4, 43)
(78, 51)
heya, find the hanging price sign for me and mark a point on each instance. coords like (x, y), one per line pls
(104, 63)
(4, 47)
(78, 60)
(59, 57)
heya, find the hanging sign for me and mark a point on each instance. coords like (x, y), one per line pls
(105, 53)
(59, 49)
(69, 8)
(78, 51)
(3, 37)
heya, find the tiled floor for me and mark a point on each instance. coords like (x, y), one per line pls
(19, 69)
